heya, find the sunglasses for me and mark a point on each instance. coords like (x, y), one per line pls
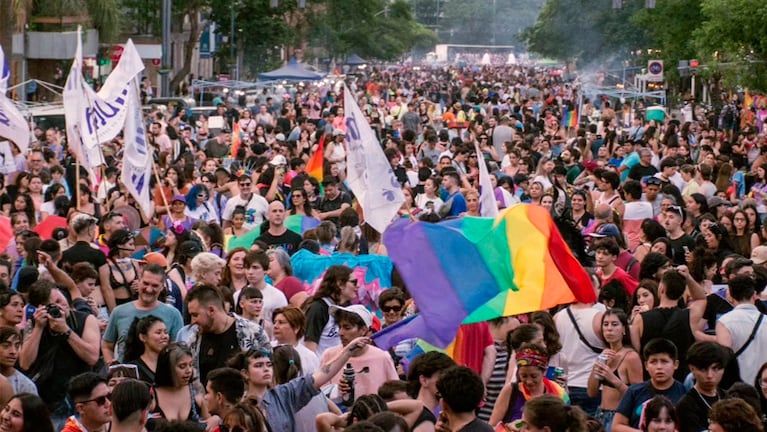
(201, 196)
(225, 428)
(391, 308)
(245, 184)
(101, 400)
(675, 209)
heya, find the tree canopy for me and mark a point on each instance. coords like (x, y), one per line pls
(728, 37)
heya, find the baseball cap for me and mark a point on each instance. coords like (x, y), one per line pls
(189, 248)
(759, 255)
(590, 165)
(654, 181)
(359, 310)
(716, 201)
(156, 258)
(178, 198)
(280, 137)
(606, 230)
(337, 132)
(278, 160)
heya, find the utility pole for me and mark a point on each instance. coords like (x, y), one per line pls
(167, 10)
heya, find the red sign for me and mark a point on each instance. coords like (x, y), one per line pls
(156, 62)
(117, 52)
(694, 63)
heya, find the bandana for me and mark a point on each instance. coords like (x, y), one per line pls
(532, 357)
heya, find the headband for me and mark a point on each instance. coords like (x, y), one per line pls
(532, 357)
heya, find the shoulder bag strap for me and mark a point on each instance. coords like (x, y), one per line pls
(752, 336)
(580, 334)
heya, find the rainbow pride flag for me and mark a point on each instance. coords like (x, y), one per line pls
(314, 166)
(236, 140)
(481, 268)
(748, 100)
(570, 117)
(300, 223)
(296, 223)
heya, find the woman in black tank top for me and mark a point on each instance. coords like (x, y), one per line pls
(123, 270)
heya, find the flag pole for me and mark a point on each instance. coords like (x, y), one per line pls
(77, 182)
(159, 184)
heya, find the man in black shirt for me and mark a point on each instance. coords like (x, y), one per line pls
(84, 227)
(644, 168)
(214, 334)
(334, 201)
(706, 361)
(278, 235)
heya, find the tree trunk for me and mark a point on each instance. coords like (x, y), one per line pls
(191, 43)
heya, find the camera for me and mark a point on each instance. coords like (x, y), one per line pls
(53, 310)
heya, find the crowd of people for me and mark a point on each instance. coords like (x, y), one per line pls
(130, 320)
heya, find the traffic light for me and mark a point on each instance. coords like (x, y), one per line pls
(693, 66)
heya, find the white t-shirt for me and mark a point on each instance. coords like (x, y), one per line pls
(429, 204)
(256, 208)
(273, 299)
(205, 213)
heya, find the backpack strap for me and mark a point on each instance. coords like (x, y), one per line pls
(752, 336)
(580, 334)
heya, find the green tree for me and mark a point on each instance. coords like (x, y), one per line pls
(487, 22)
(371, 28)
(668, 27)
(258, 27)
(104, 15)
(595, 33)
(733, 40)
(187, 10)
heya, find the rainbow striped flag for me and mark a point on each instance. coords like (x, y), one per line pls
(300, 223)
(479, 269)
(236, 140)
(314, 166)
(570, 117)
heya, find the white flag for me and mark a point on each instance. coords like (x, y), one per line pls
(488, 206)
(12, 124)
(369, 174)
(137, 158)
(103, 115)
(5, 72)
(74, 103)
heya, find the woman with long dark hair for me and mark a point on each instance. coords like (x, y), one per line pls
(147, 338)
(621, 368)
(26, 412)
(338, 287)
(174, 392)
(233, 275)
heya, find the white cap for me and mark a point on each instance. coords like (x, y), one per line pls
(278, 160)
(359, 310)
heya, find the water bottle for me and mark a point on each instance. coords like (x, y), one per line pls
(347, 399)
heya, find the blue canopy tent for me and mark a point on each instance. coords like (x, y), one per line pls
(355, 60)
(291, 72)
